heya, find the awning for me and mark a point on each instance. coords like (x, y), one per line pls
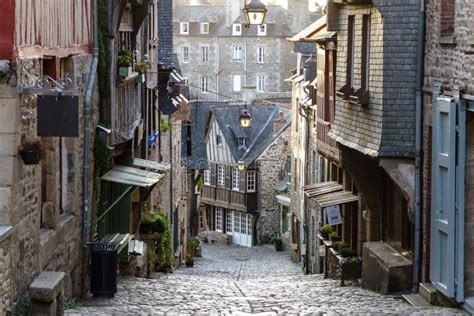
(329, 193)
(283, 199)
(132, 176)
(149, 164)
(282, 186)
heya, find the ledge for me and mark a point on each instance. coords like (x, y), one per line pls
(5, 232)
(124, 81)
(447, 40)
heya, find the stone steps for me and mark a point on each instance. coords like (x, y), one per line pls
(416, 300)
(428, 292)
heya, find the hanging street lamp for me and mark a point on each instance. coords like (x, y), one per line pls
(244, 118)
(254, 13)
(241, 165)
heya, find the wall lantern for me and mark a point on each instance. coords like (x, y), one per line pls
(241, 165)
(244, 118)
(254, 13)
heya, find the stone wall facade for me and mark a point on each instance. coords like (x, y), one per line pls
(271, 166)
(41, 203)
(449, 60)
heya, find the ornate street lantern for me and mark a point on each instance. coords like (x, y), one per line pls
(244, 118)
(241, 165)
(254, 13)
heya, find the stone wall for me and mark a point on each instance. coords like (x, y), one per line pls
(46, 234)
(449, 60)
(271, 166)
(220, 69)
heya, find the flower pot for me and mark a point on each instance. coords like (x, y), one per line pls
(141, 78)
(278, 245)
(30, 157)
(325, 235)
(125, 71)
(189, 263)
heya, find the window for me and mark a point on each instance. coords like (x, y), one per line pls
(237, 83)
(235, 179)
(204, 84)
(219, 219)
(237, 29)
(242, 143)
(261, 55)
(365, 62)
(447, 15)
(237, 54)
(185, 54)
(204, 54)
(285, 219)
(184, 28)
(185, 80)
(251, 181)
(207, 177)
(218, 140)
(229, 227)
(350, 52)
(262, 30)
(221, 175)
(201, 219)
(204, 28)
(260, 83)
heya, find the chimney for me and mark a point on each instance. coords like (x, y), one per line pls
(233, 9)
(279, 123)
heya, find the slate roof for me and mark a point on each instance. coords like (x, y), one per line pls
(259, 136)
(165, 33)
(216, 14)
(199, 116)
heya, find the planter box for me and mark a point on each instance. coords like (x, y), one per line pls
(140, 78)
(30, 157)
(124, 72)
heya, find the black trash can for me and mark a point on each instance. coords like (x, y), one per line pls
(278, 245)
(104, 269)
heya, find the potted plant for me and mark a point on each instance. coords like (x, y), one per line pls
(333, 236)
(124, 60)
(31, 152)
(339, 245)
(325, 231)
(141, 68)
(278, 244)
(189, 261)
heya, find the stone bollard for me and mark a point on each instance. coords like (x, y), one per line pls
(47, 294)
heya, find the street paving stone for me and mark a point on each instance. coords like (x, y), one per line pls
(238, 280)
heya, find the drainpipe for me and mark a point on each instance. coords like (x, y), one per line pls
(418, 147)
(86, 145)
(86, 116)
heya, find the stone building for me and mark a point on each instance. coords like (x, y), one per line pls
(41, 204)
(374, 127)
(240, 168)
(447, 146)
(219, 55)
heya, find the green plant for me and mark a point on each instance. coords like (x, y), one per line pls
(152, 260)
(347, 253)
(265, 239)
(200, 183)
(349, 260)
(23, 307)
(141, 67)
(165, 125)
(152, 222)
(125, 58)
(333, 236)
(339, 245)
(326, 229)
(73, 303)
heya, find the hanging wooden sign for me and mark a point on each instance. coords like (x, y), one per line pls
(58, 116)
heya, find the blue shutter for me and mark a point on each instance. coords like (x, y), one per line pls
(447, 189)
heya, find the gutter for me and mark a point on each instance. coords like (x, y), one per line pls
(86, 117)
(418, 148)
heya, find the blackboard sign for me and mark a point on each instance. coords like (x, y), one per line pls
(58, 116)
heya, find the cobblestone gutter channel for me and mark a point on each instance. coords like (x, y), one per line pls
(236, 280)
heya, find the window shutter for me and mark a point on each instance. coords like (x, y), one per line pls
(213, 169)
(228, 177)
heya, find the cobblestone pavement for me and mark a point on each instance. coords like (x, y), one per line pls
(238, 280)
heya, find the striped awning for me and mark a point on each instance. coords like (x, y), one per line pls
(329, 194)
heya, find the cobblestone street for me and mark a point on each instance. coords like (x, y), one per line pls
(236, 280)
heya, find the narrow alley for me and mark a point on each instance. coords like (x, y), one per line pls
(237, 280)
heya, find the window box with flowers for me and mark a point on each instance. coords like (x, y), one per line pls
(124, 61)
(141, 68)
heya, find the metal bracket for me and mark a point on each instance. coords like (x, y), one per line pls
(49, 86)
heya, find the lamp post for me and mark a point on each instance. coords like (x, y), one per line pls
(254, 13)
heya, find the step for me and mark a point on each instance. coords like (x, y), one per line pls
(416, 300)
(429, 293)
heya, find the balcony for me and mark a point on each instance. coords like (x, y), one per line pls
(225, 198)
(326, 145)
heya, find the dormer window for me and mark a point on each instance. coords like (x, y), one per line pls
(262, 30)
(184, 28)
(204, 28)
(237, 29)
(218, 140)
(242, 142)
